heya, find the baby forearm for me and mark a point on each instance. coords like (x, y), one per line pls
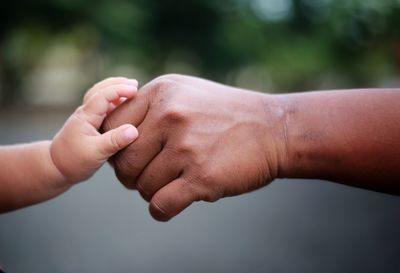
(36, 172)
(28, 175)
(351, 137)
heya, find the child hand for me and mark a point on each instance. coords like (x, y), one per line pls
(79, 150)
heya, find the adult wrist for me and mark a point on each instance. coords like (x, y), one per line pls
(305, 140)
(276, 148)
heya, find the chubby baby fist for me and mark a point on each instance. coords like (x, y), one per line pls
(79, 149)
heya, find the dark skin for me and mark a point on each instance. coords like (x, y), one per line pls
(351, 137)
(199, 140)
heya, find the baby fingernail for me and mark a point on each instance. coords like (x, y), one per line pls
(130, 133)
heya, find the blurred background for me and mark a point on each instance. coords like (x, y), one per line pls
(51, 51)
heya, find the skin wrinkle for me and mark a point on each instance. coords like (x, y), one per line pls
(193, 127)
(287, 110)
(197, 183)
(228, 141)
(275, 110)
(126, 179)
(121, 157)
(155, 203)
(164, 124)
(134, 179)
(43, 170)
(352, 125)
(151, 174)
(146, 196)
(110, 121)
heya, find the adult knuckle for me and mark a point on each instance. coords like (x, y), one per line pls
(165, 83)
(211, 196)
(172, 113)
(214, 190)
(188, 149)
(124, 166)
(144, 192)
(120, 166)
(205, 189)
(171, 77)
(203, 184)
(192, 187)
(161, 85)
(185, 148)
(183, 152)
(204, 177)
(127, 181)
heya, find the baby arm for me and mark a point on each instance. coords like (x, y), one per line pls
(35, 172)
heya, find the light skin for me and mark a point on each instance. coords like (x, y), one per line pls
(200, 140)
(35, 172)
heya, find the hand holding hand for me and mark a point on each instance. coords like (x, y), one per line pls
(78, 150)
(199, 140)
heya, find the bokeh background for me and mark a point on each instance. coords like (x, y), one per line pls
(51, 51)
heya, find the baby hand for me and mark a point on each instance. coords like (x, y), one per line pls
(79, 150)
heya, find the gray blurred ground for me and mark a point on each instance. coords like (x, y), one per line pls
(289, 226)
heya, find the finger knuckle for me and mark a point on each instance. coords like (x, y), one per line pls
(126, 181)
(203, 184)
(86, 96)
(162, 85)
(185, 148)
(165, 83)
(81, 112)
(171, 77)
(172, 113)
(211, 196)
(144, 192)
(107, 93)
(188, 149)
(125, 167)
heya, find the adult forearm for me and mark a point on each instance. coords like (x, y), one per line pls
(200, 140)
(351, 136)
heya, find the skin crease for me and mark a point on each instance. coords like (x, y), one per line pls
(351, 137)
(195, 146)
(200, 140)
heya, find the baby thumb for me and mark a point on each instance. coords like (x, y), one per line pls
(117, 139)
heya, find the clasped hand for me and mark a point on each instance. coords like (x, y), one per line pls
(198, 140)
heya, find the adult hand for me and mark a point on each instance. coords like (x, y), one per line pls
(198, 140)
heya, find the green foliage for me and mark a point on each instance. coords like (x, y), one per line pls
(296, 44)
